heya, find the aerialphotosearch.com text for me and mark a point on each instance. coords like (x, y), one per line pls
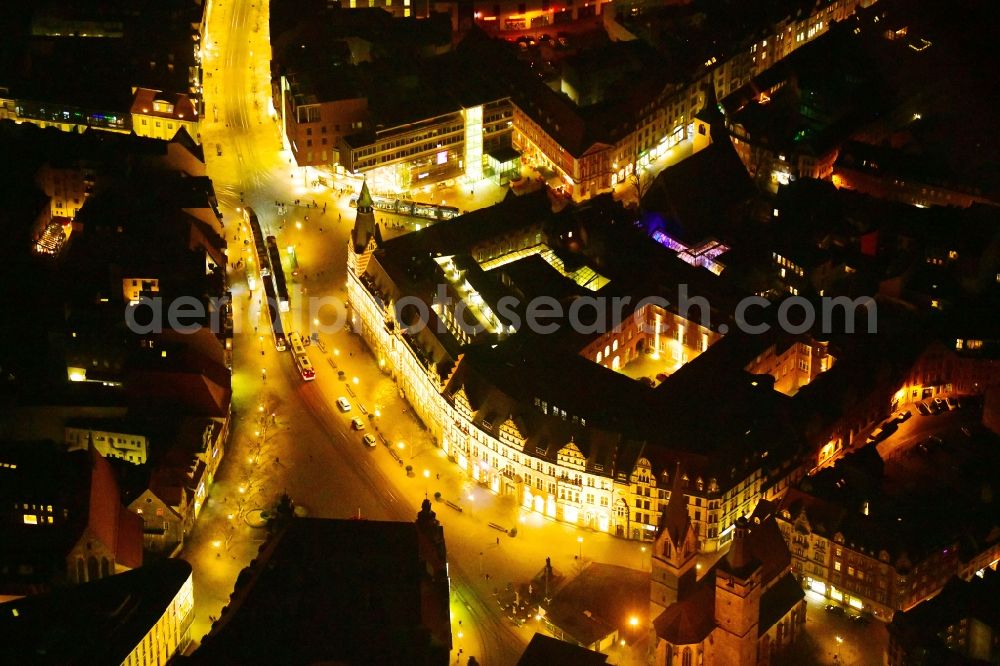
(587, 315)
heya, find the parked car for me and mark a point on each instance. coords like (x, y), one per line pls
(357, 424)
(369, 441)
(343, 404)
(941, 404)
(923, 409)
(860, 618)
(902, 416)
(952, 402)
(883, 431)
(836, 610)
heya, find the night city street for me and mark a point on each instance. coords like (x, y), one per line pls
(520, 333)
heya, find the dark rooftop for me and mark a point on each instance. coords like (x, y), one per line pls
(904, 495)
(923, 629)
(701, 197)
(692, 619)
(547, 651)
(350, 591)
(599, 601)
(100, 622)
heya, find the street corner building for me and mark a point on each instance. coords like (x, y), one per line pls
(137, 618)
(572, 424)
(339, 591)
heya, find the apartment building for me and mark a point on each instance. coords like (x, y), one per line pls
(594, 153)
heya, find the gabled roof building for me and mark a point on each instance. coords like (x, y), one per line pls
(581, 456)
(741, 612)
(63, 520)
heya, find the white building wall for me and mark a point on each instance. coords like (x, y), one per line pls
(566, 485)
(126, 446)
(171, 633)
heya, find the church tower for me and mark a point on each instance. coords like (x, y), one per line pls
(737, 602)
(673, 563)
(365, 236)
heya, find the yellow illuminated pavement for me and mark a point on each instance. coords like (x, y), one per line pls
(309, 450)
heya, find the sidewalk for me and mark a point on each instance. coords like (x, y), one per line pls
(470, 514)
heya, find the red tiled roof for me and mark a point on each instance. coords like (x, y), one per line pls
(675, 518)
(168, 484)
(104, 500)
(188, 392)
(110, 522)
(183, 107)
(692, 619)
(128, 551)
(767, 545)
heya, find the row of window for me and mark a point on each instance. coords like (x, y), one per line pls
(170, 125)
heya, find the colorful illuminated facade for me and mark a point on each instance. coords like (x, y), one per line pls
(553, 450)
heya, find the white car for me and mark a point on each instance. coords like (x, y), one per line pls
(343, 404)
(357, 424)
(369, 441)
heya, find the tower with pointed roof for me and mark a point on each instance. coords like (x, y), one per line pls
(673, 572)
(737, 601)
(365, 236)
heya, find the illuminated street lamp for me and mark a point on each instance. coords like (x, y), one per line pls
(355, 380)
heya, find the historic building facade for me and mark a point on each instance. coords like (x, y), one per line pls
(607, 491)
